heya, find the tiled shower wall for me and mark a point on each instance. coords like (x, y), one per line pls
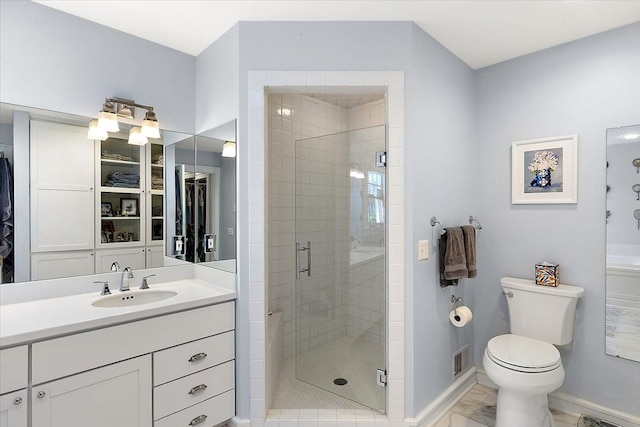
(325, 295)
(290, 118)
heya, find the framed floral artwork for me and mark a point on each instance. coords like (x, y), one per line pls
(545, 170)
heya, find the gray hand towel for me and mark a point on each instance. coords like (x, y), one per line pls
(442, 250)
(455, 262)
(470, 249)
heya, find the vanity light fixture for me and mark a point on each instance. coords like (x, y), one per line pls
(229, 149)
(112, 109)
(95, 132)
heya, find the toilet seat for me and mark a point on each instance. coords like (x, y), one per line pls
(523, 354)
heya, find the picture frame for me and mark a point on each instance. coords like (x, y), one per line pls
(129, 207)
(545, 171)
(106, 209)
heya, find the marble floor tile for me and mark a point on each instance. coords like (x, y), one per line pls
(477, 408)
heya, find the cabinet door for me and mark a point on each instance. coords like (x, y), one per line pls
(13, 409)
(62, 181)
(155, 256)
(115, 395)
(51, 265)
(125, 257)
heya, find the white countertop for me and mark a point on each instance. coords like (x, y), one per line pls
(45, 318)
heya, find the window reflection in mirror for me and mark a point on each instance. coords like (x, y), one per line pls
(623, 243)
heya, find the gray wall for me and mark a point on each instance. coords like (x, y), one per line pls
(59, 62)
(438, 125)
(580, 88)
(439, 162)
(217, 82)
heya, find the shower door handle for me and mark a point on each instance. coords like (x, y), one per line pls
(308, 268)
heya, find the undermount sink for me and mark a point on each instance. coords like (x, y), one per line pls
(126, 299)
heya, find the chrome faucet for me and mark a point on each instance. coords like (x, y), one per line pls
(127, 274)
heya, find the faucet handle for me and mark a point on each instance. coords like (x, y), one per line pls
(144, 284)
(105, 287)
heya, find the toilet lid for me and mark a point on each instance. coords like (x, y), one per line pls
(523, 354)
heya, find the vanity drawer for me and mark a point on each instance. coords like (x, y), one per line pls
(14, 364)
(80, 352)
(192, 357)
(212, 411)
(181, 393)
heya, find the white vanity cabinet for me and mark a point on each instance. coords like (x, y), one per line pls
(104, 377)
(114, 395)
(13, 386)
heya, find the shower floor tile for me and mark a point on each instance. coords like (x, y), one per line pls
(346, 358)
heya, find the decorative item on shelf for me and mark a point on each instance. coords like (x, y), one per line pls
(129, 207)
(636, 189)
(118, 107)
(107, 231)
(547, 274)
(122, 236)
(106, 209)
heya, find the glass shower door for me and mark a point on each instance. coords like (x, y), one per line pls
(340, 218)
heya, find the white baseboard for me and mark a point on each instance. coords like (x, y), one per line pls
(445, 401)
(239, 422)
(576, 406)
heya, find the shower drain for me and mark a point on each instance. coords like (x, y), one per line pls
(339, 381)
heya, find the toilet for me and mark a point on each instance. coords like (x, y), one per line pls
(525, 364)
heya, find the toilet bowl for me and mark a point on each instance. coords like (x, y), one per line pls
(525, 364)
(525, 371)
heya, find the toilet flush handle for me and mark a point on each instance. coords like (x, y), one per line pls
(508, 294)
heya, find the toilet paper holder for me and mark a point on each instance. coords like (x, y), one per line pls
(454, 301)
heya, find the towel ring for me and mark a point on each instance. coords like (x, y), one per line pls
(477, 224)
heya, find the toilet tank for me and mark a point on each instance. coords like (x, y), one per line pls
(542, 312)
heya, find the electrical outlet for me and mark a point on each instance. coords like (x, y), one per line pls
(423, 250)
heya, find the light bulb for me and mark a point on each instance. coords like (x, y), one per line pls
(136, 137)
(95, 132)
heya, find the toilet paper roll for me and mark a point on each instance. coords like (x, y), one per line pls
(460, 316)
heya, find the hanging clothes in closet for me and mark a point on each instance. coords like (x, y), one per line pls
(6, 217)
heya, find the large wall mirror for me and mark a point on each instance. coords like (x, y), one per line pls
(93, 204)
(623, 243)
(201, 197)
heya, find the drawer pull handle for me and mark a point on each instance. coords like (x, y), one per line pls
(17, 401)
(198, 420)
(41, 394)
(196, 357)
(198, 389)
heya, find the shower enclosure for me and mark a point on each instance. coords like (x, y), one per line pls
(340, 288)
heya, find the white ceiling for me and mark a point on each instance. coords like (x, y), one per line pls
(480, 32)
